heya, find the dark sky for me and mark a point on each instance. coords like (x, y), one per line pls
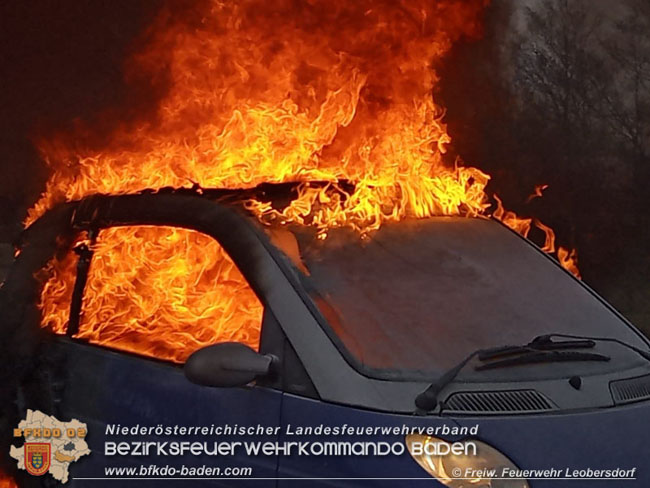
(58, 61)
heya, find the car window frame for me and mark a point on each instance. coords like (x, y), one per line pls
(96, 231)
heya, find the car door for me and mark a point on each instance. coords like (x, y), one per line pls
(131, 389)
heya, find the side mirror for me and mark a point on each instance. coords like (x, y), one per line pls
(226, 364)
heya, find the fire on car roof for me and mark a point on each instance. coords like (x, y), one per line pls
(243, 108)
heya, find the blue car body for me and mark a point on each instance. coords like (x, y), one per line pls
(129, 392)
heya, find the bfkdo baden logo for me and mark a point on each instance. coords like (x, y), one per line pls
(50, 445)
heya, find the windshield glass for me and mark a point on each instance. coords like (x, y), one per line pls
(417, 296)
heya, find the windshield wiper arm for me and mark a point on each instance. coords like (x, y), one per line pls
(533, 357)
(428, 399)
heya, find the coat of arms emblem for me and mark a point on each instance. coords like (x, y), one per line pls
(37, 457)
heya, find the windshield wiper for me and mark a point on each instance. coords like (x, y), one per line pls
(428, 399)
(641, 352)
(543, 357)
(541, 343)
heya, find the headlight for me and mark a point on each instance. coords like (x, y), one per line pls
(464, 464)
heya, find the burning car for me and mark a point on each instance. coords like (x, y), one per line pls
(283, 241)
(458, 320)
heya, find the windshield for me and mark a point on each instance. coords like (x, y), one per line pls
(417, 296)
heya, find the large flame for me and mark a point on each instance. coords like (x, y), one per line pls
(265, 91)
(159, 291)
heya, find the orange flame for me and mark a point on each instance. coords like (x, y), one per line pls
(537, 193)
(264, 91)
(283, 91)
(7, 481)
(549, 241)
(160, 291)
(569, 260)
(518, 224)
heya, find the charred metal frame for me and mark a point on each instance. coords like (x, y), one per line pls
(85, 254)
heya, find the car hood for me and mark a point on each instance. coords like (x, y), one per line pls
(607, 438)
